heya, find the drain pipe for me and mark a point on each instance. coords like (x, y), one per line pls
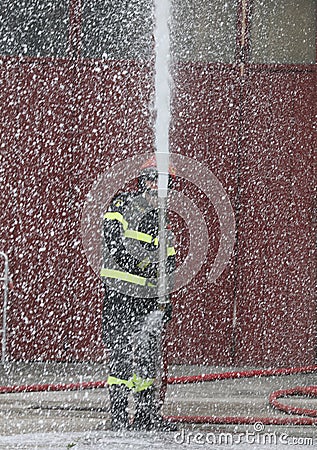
(3, 331)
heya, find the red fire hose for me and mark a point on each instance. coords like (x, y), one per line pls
(309, 391)
(52, 387)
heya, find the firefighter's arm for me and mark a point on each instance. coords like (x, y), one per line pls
(114, 240)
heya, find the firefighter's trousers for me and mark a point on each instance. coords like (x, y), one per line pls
(133, 333)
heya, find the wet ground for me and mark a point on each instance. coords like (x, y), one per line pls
(80, 419)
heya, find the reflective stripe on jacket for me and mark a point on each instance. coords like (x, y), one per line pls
(130, 254)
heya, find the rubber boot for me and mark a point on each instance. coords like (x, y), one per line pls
(147, 415)
(119, 407)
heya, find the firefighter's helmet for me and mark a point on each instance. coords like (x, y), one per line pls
(148, 171)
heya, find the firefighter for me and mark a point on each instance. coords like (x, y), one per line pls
(133, 318)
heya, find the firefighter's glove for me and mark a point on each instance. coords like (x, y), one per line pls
(167, 308)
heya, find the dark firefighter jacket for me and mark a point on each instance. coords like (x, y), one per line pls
(131, 248)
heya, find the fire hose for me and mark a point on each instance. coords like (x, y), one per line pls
(308, 391)
(307, 416)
